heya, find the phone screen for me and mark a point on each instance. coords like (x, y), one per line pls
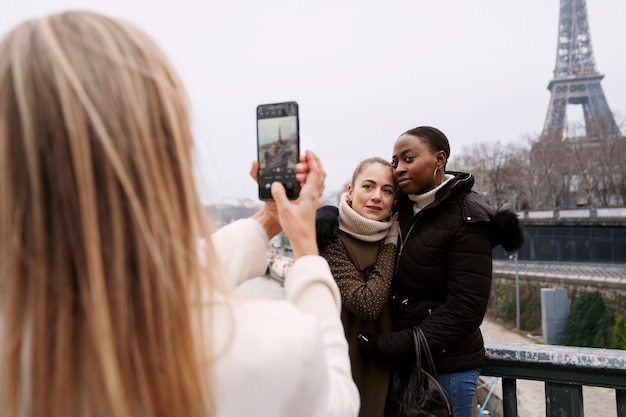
(278, 147)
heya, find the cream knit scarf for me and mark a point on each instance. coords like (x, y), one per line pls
(358, 226)
(422, 200)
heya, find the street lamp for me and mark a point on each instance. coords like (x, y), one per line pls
(517, 302)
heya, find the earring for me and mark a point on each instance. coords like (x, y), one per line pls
(435, 177)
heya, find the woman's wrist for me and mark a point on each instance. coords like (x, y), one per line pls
(268, 221)
(304, 248)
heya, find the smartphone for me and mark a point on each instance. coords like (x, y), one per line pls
(278, 147)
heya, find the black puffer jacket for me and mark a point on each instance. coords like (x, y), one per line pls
(444, 271)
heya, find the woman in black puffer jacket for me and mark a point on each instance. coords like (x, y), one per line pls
(443, 278)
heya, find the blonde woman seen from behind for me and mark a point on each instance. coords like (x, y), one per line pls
(362, 259)
(107, 307)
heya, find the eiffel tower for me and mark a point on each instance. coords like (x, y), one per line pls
(576, 80)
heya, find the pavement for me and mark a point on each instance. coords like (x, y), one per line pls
(530, 394)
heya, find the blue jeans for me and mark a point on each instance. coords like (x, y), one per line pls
(461, 389)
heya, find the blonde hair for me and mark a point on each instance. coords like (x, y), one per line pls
(369, 161)
(99, 226)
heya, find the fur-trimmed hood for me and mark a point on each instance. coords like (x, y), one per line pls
(506, 230)
(504, 224)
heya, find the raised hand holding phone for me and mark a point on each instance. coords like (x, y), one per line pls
(297, 218)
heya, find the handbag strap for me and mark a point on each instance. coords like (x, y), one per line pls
(416, 339)
(421, 342)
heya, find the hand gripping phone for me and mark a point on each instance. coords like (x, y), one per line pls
(278, 147)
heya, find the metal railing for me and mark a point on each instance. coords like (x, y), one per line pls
(606, 274)
(564, 371)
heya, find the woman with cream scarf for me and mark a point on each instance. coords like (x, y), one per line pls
(362, 260)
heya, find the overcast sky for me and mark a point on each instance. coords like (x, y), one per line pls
(362, 71)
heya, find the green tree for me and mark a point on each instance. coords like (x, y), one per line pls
(619, 334)
(589, 323)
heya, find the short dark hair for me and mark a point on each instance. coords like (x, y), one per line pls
(434, 137)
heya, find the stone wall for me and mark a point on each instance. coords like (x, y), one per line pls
(530, 298)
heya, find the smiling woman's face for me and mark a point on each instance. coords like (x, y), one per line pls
(373, 191)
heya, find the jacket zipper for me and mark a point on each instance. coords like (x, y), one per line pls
(403, 240)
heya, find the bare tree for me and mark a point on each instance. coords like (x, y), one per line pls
(595, 170)
(497, 168)
(549, 172)
(548, 166)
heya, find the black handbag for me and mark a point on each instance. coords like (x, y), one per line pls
(413, 392)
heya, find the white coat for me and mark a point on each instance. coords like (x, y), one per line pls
(279, 358)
